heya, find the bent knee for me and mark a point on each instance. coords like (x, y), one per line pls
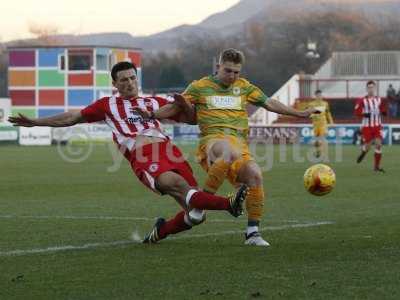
(223, 150)
(171, 182)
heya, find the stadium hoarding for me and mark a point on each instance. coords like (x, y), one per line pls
(186, 133)
(346, 134)
(35, 136)
(95, 132)
(303, 133)
(8, 134)
(276, 134)
(5, 110)
(395, 134)
(82, 133)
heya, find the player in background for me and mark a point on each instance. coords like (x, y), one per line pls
(371, 109)
(218, 104)
(320, 123)
(157, 163)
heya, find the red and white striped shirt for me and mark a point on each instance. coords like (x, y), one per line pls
(126, 124)
(373, 106)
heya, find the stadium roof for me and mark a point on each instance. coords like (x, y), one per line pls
(106, 40)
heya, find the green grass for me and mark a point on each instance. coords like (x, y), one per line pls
(356, 257)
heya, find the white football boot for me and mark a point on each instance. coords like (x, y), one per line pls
(256, 239)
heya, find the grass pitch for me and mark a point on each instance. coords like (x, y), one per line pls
(65, 233)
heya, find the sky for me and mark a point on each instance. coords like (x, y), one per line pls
(138, 17)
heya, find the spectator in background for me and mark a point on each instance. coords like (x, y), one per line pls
(397, 103)
(390, 92)
(391, 97)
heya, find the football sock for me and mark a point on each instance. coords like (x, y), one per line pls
(361, 156)
(175, 225)
(216, 175)
(203, 200)
(255, 203)
(252, 226)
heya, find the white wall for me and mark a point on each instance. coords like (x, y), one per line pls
(287, 94)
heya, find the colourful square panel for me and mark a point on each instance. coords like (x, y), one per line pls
(120, 55)
(22, 58)
(29, 112)
(52, 78)
(20, 97)
(51, 97)
(103, 80)
(49, 112)
(135, 57)
(21, 78)
(49, 57)
(80, 79)
(103, 51)
(103, 93)
(80, 97)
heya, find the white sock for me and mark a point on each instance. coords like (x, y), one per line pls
(251, 229)
(189, 196)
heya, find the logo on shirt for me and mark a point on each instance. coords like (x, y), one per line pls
(153, 167)
(236, 91)
(134, 119)
(224, 102)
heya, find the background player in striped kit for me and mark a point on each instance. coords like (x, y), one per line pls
(157, 163)
(371, 108)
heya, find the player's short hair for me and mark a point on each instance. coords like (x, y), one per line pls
(318, 92)
(121, 66)
(371, 82)
(231, 55)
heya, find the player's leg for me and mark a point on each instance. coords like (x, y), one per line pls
(219, 155)
(190, 197)
(317, 142)
(366, 144)
(250, 174)
(378, 155)
(194, 202)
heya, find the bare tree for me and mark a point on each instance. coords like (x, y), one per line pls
(46, 34)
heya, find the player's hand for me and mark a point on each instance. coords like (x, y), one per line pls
(22, 120)
(308, 112)
(141, 112)
(367, 115)
(181, 102)
(187, 114)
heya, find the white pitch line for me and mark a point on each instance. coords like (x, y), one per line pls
(63, 248)
(77, 217)
(267, 228)
(127, 242)
(38, 217)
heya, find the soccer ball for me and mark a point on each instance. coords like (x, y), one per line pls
(319, 179)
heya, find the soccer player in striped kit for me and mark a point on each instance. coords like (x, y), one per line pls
(371, 108)
(157, 163)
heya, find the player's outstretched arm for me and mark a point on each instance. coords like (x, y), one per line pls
(60, 120)
(280, 108)
(179, 110)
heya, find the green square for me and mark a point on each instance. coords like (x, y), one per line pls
(29, 112)
(102, 80)
(51, 78)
